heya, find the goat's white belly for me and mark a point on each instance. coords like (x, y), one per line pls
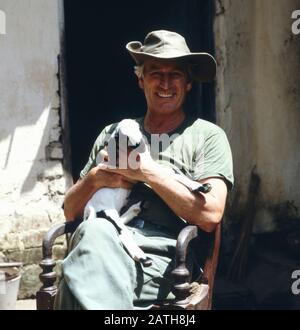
(107, 199)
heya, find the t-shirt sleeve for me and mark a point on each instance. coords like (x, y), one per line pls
(214, 159)
(98, 146)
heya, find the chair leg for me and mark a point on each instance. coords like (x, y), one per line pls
(46, 294)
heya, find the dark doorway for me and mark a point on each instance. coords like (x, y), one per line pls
(101, 85)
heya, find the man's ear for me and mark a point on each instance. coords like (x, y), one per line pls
(141, 82)
(189, 86)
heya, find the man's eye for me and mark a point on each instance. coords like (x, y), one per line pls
(155, 74)
(177, 74)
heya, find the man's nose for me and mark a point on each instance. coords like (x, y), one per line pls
(165, 81)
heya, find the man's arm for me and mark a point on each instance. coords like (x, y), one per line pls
(204, 210)
(80, 193)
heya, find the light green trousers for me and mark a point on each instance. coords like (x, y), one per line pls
(98, 273)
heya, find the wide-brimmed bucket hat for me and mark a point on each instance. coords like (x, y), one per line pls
(164, 44)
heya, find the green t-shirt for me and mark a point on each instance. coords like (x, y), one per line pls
(197, 148)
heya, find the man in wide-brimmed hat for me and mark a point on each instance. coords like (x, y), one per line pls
(98, 272)
(166, 45)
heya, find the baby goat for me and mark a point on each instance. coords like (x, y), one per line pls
(108, 202)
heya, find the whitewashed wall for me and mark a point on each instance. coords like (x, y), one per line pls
(32, 183)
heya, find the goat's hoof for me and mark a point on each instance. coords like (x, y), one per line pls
(147, 262)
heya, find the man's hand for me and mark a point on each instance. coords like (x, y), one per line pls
(132, 167)
(100, 178)
(80, 193)
(204, 210)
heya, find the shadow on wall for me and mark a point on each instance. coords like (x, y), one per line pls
(33, 138)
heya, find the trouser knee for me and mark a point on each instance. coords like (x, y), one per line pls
(99, 230)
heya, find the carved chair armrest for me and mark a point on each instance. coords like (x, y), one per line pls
(196, 295)
(181, 273)
(46, 294)
(54, 232)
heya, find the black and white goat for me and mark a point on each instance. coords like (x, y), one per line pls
(109, 201)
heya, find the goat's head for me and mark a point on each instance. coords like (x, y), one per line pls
(128, 133)
(126, 137)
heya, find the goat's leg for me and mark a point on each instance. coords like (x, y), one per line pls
(132, 212)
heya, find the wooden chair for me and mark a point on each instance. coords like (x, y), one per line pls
(190, 296)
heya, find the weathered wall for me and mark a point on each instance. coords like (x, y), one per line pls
(31, 170)
(258, 104)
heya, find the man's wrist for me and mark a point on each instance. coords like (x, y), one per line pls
(154, 174)
(92, 182)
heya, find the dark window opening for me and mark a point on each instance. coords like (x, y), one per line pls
(101, 85)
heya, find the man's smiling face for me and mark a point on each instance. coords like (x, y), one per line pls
(165, 84)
